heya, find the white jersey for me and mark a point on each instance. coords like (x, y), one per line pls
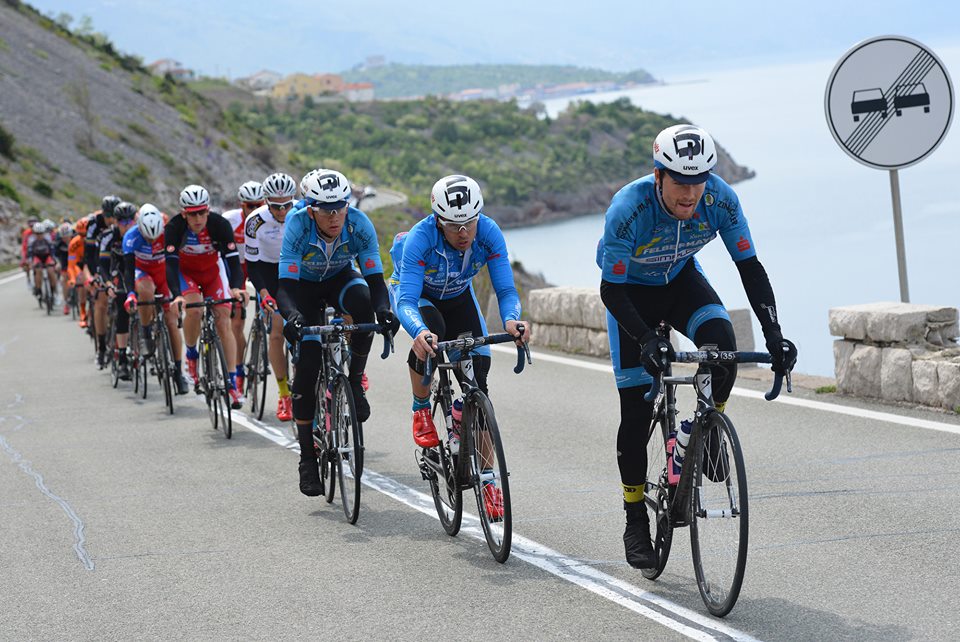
(263, 236)
(235, 218)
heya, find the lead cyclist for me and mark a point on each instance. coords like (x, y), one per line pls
(652, 230)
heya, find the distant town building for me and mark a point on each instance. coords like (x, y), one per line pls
(263, 80)
(358, 92)
(473, 94)
(169, 66)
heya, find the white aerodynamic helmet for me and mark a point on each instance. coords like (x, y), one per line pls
(39, 228)
(687, 152)
(250, 192)
(194, 197)
(279, 185)
(327, 189)
(150, 222)
(456, 198)
(48, 224)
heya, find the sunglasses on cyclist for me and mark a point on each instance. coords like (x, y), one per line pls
(280, 206)
(459, 226)
(253, 204)
(328, 212)
(196, 213)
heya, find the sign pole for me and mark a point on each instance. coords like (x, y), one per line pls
(898, 234)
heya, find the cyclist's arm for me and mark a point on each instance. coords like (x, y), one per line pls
(258, 272)
(411, 287)
(91, 249)
(613, 256)
(173, 233)
(291, 259)
(223, 237)
(501, 277)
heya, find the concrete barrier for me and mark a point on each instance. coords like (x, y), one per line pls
(575, 320)
(898, 352)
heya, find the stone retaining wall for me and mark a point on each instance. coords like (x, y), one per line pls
(898, 352)
(575, 320)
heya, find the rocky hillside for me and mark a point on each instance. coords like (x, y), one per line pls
(82, 120)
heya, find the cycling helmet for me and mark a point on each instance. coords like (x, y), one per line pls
(327, 189)
(48, 225)
(193, 198)
(456, 198)
(108, 203)
(279, 185)
(687, 152)
(250, 192)
(38, 228)
(80, 227)
(65, 230)
(125, 212)
(150, 222)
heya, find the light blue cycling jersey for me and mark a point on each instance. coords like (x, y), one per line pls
(643, 244)
(307, 257)
(144, 251)
(425, 264)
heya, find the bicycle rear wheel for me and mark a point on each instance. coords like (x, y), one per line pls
(133, 353)
(656, 493)
(447, 493)
(348, 438)
(253, 367)
(206, 381)
(719, 514)
(47, 293)
(221, 387)
(162, 359)
(488, 473)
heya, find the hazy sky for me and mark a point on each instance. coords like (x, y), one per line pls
(239, 37)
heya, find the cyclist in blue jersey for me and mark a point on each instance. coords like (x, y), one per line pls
(653, 228)
(432, 293)
(320, 243)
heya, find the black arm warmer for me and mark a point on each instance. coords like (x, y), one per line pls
(287, 296)
(757, 286)
(255, 270)
(235, 269)
(378, 291)
(129, 278)
(173, 274)
(615, 297)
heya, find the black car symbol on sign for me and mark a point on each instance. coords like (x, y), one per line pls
(914, 95)
(866, 101)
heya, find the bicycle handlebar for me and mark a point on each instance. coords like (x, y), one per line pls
(468, 343)
(719, 357)
(338, 327)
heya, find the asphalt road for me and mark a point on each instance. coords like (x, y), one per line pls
(118, 521)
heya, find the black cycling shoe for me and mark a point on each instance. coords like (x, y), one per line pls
(183, 386)
(123, 371)
(310, 483)
(636, 537)
(360, 401)
(101, 360)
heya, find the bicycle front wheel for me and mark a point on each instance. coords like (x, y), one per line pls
(254, 364)
(487, 468)
(221, 387)
(446, 491)
(348, 438)
(719, 514)
(656, 493)
(164, 365)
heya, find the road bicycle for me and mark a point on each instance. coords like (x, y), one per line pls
(337, 433)
(257, 362)
(710, 495)
(471, 457)
(213, 378)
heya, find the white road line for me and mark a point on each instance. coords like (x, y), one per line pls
(689, 623)
(784, 398)
(13, 277)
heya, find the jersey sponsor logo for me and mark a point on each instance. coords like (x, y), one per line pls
(642, 249)
(493, 256)
(771, 310)
(254, 223)
(624, 227)
(619, 268)
(293, 269)
(709, 199)
(731, 209)
(421, 263)
(743, 244)
(252, 251)
(370, 263)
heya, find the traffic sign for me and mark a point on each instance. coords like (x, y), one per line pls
(889, 102)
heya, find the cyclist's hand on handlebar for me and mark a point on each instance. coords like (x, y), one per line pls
(131, 303)
(511, 328)
(783, 353)
(387, 319)
(267, 302)
(241, 295)
(291, 329)
(420, 346)
(653, 349)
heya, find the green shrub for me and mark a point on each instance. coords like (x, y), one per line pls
(8, 191)
(825, 389)
(43, 189)
(6, 143)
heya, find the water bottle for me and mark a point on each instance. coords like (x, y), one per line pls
(680, 447)
(456, 414)
(673, 477)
